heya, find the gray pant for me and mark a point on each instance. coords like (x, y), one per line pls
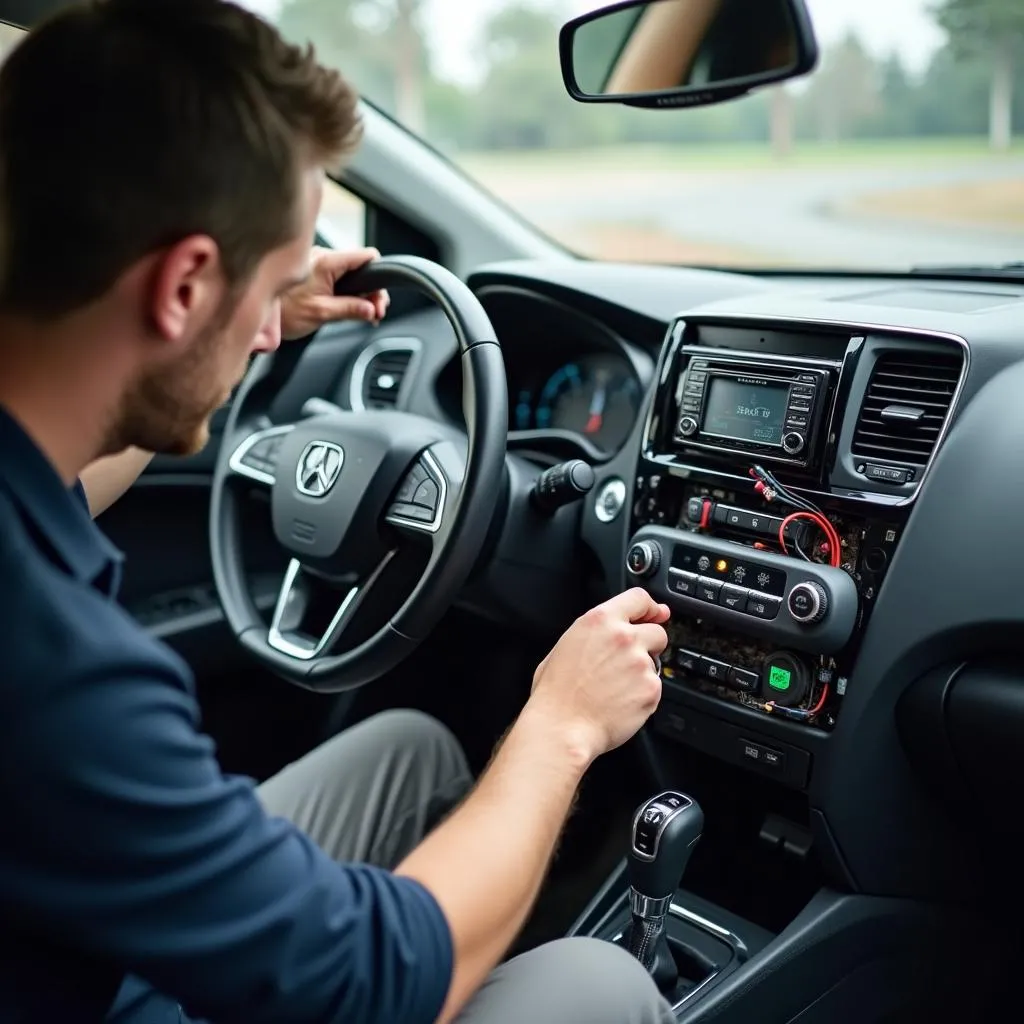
(371, 793)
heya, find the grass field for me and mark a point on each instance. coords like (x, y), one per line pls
(994, 205)
(738, 156)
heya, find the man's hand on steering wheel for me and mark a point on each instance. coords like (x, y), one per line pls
(310, 305)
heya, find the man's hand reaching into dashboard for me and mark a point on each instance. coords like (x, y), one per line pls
(485, 864)
(305, 308)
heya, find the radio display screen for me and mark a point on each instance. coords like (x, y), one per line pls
(746, 412)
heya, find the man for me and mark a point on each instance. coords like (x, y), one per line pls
(161, 167)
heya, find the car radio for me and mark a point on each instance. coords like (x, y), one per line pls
(769, 408)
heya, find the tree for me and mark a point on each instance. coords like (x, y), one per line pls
(377, 44)
(989, 27)
(844, 91)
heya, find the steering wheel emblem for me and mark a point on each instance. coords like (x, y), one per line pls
(319, 468)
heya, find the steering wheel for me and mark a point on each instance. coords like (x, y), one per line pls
(372, 506)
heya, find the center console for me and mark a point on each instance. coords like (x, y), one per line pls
(776, 471)
(777, 468)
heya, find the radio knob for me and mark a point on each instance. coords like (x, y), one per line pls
(807, 602)
(793, 442)
(687, 426)
(644, 558)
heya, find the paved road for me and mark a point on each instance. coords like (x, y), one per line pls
(789, 214)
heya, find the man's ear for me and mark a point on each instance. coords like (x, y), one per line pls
(187, 288)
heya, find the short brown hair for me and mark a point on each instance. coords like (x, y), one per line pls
(127, 125)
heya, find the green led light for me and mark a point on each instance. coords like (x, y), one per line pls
(779, 678)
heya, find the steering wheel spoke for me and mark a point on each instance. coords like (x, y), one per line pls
(422, 498)
(312, 614)
(256, 456)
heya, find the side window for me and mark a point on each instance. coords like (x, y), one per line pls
(9, 36)
(342, 217)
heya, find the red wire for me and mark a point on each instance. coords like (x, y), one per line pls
(835, 555)
(821, 700)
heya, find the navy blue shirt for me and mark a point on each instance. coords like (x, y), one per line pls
(128, 862)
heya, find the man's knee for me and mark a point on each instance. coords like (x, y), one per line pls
(570, 980)
(417, 733)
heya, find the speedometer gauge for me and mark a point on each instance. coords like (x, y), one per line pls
(596, 396)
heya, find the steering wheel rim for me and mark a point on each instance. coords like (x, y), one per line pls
(463, 521)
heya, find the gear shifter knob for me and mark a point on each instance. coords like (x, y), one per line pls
(665, 831)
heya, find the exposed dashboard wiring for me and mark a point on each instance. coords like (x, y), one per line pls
(771, 490)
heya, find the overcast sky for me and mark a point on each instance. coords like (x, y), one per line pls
(884, 26)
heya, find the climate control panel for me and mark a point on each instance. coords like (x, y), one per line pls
(805, 605)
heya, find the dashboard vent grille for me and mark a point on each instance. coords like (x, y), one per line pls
(906, 404)
(383, 378)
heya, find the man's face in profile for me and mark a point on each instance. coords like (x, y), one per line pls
(169, 408)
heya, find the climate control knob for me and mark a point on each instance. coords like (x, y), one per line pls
(643, 558)
(687, 426)
(793, 442)
(807, 602)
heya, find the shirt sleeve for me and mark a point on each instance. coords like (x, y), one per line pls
(128, 840)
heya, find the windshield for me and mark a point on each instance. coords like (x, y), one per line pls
(898, 150)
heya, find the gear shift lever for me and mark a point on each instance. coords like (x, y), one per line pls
(665, 831)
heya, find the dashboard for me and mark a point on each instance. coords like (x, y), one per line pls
(818, 475)
(573, 382)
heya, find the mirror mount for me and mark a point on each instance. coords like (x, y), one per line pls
(664, 54)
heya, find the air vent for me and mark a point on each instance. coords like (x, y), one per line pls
(905, 407)
(378, 376)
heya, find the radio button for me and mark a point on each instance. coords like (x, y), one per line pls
(687, 661)
(716, 671)
(736, 517)
(682, 583)
(810, 378)
(807, 602)
(885, 474)
(800, 405)
(793, 442)
(799, 420)
(761, 606)
(741, 679)
(696, 376)
(708, 590)
(734, 597)
(801, 391)
(699, 364)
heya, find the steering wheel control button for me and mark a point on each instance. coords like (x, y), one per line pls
(807, 602)
(761, 606)
(644, 558)
(428, 494)
(419, 502)
(411, 484)
(610, 500)
(256, 457)
(682, 583)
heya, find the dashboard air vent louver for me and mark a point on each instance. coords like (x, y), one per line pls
(906, 404)
(383, 378)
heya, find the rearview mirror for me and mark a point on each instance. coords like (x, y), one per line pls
(684, 53)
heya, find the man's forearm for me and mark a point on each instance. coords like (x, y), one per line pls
(106, 479)
(485, 864)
